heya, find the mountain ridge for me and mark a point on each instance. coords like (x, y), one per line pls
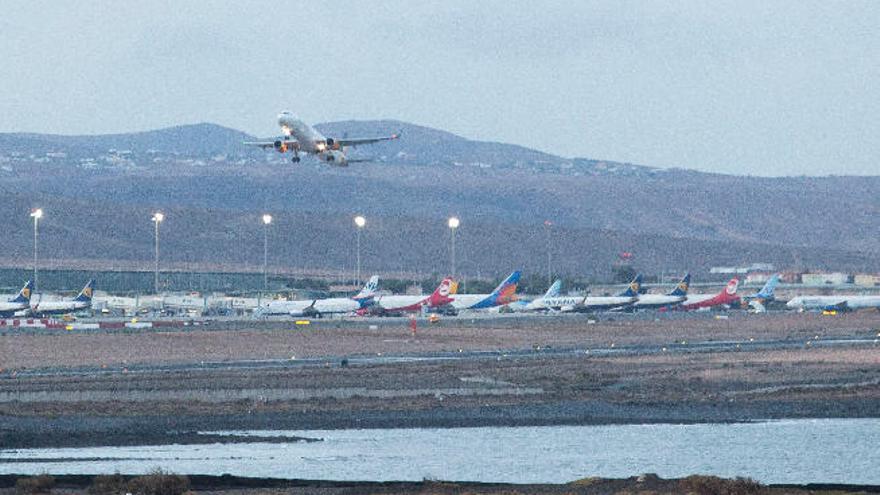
(421, 179)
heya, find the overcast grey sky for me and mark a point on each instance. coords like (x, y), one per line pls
(748, 86)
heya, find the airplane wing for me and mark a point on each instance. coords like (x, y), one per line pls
(358, 141)
(286, 143)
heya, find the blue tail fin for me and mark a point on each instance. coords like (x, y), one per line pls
(634, 288)
(766, 292)
(505, 293)
(24, 295)
(554, 289)
(508, 285)
(85, 295)
(682, 288)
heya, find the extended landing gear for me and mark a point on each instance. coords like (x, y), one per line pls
(295, 159)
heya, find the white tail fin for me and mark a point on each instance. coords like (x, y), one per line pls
(369, 289)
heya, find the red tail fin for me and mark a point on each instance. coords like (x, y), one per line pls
(441, 295)
(730, 290)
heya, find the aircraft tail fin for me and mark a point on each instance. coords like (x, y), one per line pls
(634, 288)
(369, 290)
(554, 289)
(506, 290)
(24, 295)
(731, 287)
(441, 295)
(769, 288)
(85, 295)
(682, 288)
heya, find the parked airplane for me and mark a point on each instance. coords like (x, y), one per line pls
(20, 303)
(393, 305)
(727, 297)
(759, 301)
(674, 297)
(585, 304)
(505, 293)
(81, 302)
(319, 307)
(834, 303)
(539, 304)
(301, 137)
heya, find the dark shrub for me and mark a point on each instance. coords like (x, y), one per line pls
(159, 483)
(35, 485)
(713, 485)
(108, 485)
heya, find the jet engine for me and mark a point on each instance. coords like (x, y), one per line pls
(280, 146)
(335, 157)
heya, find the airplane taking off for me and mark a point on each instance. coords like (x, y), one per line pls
(505, 293)
(320, 307)
(727, 297)
(391, 305)
(21, 301)
(81, 302)
(301, 137)
(585, 304)
(675, 296)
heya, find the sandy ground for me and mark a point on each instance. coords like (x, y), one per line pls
(48, 398)
(275, 340)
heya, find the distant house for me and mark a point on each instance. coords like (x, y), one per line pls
(867, 280)
(822, 278)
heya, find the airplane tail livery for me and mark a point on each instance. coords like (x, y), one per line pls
(441, 295)
(554, 289)
(24, 295)
(505, 293)
(682, 288)
(766, 292)
(634, 288)
(85, 295)
(369, 289)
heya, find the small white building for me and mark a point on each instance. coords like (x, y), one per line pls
(822, 278)
(867, 280)
(758, 277)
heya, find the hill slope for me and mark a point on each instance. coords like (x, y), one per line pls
(99, 190)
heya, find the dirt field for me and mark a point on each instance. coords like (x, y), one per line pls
(275, 340)
(48, 399)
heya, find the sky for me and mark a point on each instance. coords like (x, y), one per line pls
(745, 87)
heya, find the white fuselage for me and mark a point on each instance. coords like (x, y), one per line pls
(821, 302)
(309, 139)
(468, 301)
(648, 301)
(588, 303)
(311, 307)
(59, 307)
(697, 298)
(394, 304)
(12, 307)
